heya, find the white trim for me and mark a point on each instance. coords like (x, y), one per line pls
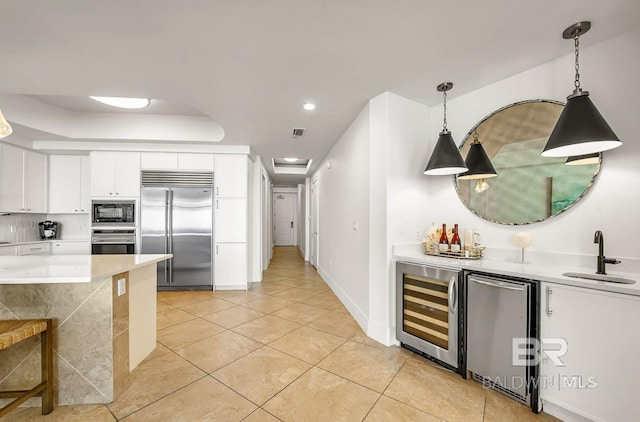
(353, 309)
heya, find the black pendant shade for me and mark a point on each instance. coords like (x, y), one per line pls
(445, 158)
(580, 130)
(478, 163)
(580, 160)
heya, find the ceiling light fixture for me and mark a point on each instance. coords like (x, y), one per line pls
(581, 129)
(123, 102)
(581, 160)
(478, 162)
(445, 158)
(309, 106)
(5, 127)
(290, 159)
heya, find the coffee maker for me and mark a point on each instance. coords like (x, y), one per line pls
(48, 229)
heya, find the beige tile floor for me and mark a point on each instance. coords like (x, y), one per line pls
(286, 350)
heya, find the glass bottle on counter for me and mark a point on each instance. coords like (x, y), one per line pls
(443, 244)
(455, 240)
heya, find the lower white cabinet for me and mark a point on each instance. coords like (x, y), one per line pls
(71, 247)
(230, 266)
(34, 249)
(8, 250)
(598, 373)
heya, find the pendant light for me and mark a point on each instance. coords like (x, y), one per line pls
(581, 160)
(445, 158)
(478, 162)
(581, 129)
(5, 127)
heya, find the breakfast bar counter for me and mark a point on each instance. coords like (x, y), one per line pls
(104, 313)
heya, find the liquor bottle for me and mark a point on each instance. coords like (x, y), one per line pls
(455, 240)
(443, 245)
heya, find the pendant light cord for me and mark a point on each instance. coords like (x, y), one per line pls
(444, 123)
(576, 40)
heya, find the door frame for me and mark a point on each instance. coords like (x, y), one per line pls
(315, 222)
(294, 215)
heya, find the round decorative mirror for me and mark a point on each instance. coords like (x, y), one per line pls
(528, 187)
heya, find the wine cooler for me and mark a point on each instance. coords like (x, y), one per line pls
(427, 312)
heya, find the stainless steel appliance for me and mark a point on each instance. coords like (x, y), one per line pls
(113, 213)
(113, 240)
(500, 310)
(176, 217)
(427, 312)
(48, 229)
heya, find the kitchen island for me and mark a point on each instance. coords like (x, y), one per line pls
(104, 313)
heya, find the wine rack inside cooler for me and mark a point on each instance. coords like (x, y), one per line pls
(426, 309)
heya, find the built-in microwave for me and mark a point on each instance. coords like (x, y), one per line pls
(113, 213)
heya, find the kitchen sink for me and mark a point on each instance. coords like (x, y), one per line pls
(600, 277)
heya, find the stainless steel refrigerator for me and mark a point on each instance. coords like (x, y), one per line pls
(179, 221)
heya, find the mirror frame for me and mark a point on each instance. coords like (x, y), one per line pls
(469, 136)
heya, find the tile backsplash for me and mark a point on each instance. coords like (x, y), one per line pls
(17, 228)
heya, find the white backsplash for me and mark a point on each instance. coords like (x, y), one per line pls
(18, 228)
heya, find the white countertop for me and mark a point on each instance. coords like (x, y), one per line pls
(69, 268)
(29, 242)
(551, 273)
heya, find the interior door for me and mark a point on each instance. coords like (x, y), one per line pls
(154, 229)
(283, 219)
(191, 222)
(314, 222)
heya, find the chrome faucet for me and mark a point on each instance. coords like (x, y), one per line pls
(599, 239)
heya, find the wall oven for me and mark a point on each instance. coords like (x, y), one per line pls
(113, 213)
(428, 309)
(113, 241)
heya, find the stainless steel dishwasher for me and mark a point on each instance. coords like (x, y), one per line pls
(498, 311)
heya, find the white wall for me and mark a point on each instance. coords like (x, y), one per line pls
(343, 201)
(389, 192)
(608, 72)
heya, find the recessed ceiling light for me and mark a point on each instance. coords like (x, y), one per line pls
(123, 102)
(309, 106)
(290, 159)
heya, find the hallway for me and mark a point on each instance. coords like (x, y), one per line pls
(286, 350)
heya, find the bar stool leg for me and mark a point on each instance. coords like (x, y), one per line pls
(46, 353)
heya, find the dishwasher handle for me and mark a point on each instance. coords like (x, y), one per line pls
(499, 284)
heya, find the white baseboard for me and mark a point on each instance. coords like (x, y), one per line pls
(380, 333)
(562, 413)
(353, 309)
(231, 287)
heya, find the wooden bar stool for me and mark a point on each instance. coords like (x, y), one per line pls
(13, 332)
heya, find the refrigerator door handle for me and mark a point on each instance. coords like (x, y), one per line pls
(167, 274)
(170, 232)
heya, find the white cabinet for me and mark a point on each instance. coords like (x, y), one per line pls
(230, 179)
(23, 180)
(173, 161)
(34, 249)
(115, 174)
(159, 161)
(69, 184)
(231, 220)
(600, 366)
(8, 250)
(231, 176)
(71, 247)
(230, 266)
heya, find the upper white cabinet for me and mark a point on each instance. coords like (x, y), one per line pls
(176, 161)
(230, 176)
(115, 174)
(69, 180)
(597, 375)
(23, 180)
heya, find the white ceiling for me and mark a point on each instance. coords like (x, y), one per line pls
(249, 65)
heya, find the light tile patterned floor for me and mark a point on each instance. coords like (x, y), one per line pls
(286, 350)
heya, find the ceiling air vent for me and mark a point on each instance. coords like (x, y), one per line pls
(297, 131)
